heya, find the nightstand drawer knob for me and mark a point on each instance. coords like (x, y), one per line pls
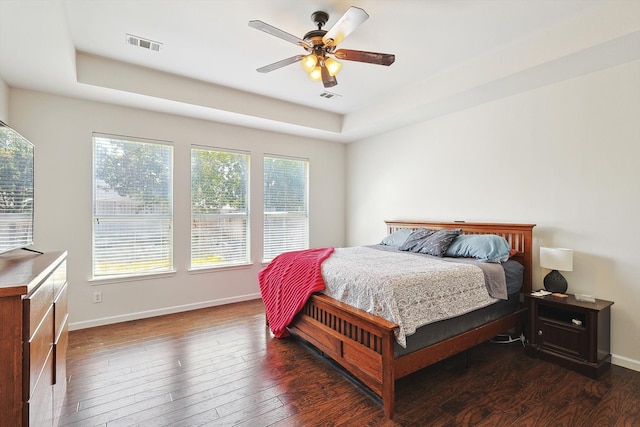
(539, 331)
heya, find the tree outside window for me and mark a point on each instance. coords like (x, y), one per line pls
(219, 208)
(286, 211)
(132, 206)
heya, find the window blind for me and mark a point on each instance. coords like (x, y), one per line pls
(286, 212)
(132, 206)
(219, 208)
(16, 190)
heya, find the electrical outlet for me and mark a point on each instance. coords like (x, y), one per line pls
(97, 297)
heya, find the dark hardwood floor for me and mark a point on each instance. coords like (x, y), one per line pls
(220, 367)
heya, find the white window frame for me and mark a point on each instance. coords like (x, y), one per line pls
(145, 249)
(220, 237)
(285, 229)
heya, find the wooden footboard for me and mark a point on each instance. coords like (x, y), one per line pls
(358, 341)
(363, 344)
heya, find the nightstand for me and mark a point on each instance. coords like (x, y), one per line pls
(571, 333)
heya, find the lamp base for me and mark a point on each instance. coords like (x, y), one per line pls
(555, 282)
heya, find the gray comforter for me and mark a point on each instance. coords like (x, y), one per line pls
(410, 289)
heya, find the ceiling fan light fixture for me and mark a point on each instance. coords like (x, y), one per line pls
(309, 62)
(333, 66)
(316, 74)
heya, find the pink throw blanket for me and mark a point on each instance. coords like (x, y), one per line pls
(287, 282)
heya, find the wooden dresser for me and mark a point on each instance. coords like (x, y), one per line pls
(33, 337)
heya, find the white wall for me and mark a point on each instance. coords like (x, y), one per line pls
(61, 129)
(564, 157)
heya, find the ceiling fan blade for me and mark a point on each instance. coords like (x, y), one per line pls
(351, 20)
(270, 29)
(327, 79)
(362, 56)
(280, 64)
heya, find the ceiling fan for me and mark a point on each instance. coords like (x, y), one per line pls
(321, 46)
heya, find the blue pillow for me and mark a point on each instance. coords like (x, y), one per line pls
(396, 238)
(484, 247)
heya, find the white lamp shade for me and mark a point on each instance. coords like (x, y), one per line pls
(333, 66)
(556, 259)
(309, 63)
(316, 74)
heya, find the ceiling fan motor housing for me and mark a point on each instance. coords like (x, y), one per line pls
(320, 18)
(314, 37)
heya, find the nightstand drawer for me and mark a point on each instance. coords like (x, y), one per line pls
(563, 338)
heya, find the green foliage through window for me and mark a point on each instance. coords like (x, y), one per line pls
(132, 206)
(219, 208)
(286, 212)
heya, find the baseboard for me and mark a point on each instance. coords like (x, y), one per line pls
(158, 312)
(625, 362)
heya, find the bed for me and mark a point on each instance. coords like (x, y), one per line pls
(365, 345)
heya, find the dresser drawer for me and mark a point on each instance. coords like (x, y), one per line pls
(60, 311)
(36, 306)
(60, 368)
(38, 410)
(36, 353)
(59, 278)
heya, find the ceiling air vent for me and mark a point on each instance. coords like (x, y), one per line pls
(329, 95)
(143, 43)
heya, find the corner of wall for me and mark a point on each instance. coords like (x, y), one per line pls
(4, 101)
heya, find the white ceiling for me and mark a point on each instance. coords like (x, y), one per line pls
(450, 54)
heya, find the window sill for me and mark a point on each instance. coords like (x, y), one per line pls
(129, 278)
(221, 268)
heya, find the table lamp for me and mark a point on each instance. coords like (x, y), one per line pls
(556, 259)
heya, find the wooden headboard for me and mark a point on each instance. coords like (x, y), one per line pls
(519, 236)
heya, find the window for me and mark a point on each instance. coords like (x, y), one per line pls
(219, 208)
(286, 212)
(16, 190)
(132, 206)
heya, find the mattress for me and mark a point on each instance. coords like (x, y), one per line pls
(407, 289)
(438, 331)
